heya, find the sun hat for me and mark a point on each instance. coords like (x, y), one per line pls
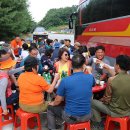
(6, 62)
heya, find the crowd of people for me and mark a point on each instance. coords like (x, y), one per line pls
(30, 72)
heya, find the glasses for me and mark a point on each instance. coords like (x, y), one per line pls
(66, 55)
(34, 54)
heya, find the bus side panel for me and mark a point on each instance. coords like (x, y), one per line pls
(114, 34)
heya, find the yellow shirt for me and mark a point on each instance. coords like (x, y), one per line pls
(62, 69)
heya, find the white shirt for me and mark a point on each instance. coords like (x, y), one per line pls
(24, 54)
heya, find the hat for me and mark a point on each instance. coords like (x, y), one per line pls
(7, 63)
(77, 44)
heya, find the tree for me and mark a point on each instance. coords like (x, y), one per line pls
(56, 17)
(14, 18)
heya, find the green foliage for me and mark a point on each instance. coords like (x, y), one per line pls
(57, 17)
(14, 18)
(57, 28)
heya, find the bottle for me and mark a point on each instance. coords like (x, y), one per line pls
(64, 74)
(47, 77)
(44, 75)
(98, 75)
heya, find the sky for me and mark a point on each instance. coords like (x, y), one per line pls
(39, 8)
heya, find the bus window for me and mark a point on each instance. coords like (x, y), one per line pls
(120, 8)
(95, 10)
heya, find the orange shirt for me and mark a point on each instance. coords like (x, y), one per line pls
(31, 88)
(14, 45)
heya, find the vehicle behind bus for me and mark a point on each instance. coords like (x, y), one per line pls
(103, 22)
(40, 33)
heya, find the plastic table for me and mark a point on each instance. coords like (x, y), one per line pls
(98, 88)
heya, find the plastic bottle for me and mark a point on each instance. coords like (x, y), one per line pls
(47, 77)
(98, 78)
(44, 75)
(65, 74)
(62, 74)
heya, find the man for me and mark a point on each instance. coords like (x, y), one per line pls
(56, 47)
(32, 86)
(48, 44)
(76, 90)
(40, 42)
(56, 44)
(116, 101)
(67, 44)
(97, 70)
(16, 45)
(33, 52)
(77, 46)
(99, 73)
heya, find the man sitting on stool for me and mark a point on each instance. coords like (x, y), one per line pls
(116, 100)
(76, 90)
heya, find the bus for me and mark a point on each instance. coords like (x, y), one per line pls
(103, 22)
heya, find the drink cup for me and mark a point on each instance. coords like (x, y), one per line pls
(46, 67)
(97, 82)
(102, 83)
(94, 60)
(101, 65)
(71, 56)
(84, 54)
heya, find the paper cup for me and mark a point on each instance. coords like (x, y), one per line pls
(102, 83)
(101, 65)
(94, 60)
(97, 82)
(46, 67)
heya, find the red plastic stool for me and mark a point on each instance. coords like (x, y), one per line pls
(25, 118)
(77, 126)
(123, 121)
(6, 117)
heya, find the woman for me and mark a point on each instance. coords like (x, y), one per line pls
(32, 86)
(63, 66)
(6, 78)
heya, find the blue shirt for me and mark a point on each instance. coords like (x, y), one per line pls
(77, 91)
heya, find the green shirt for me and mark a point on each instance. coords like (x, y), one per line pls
(120, 101)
